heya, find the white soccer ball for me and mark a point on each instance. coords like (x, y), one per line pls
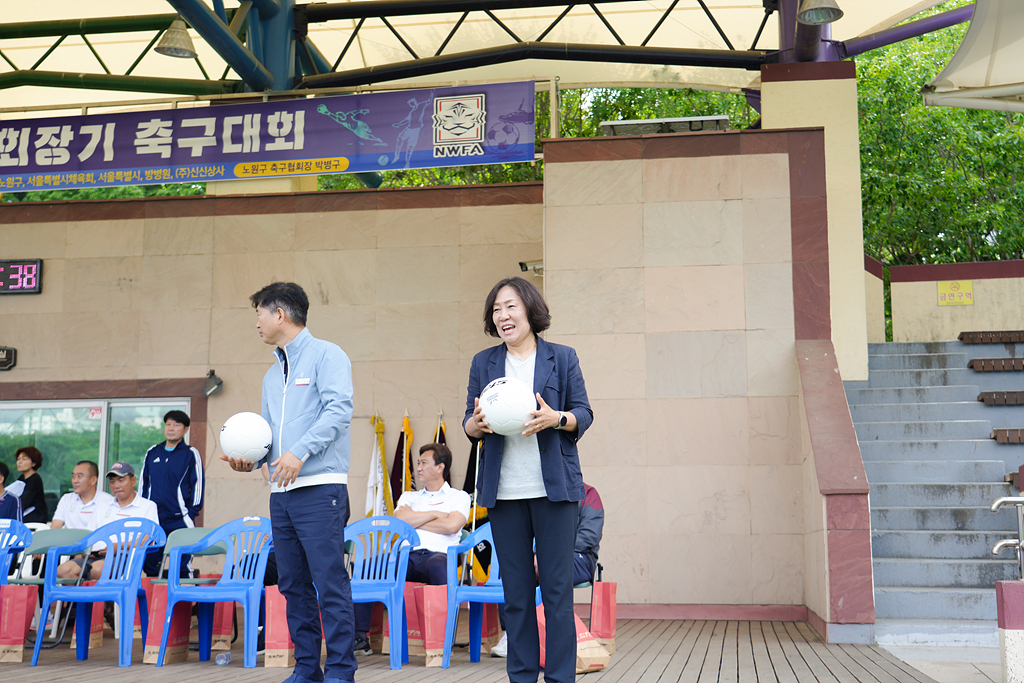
(506, 404)
(246, 436)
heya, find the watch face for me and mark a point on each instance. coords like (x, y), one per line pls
(564, 420)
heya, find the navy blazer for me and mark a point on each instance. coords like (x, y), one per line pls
(557, 378)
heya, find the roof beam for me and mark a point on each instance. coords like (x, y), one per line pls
(317, 13)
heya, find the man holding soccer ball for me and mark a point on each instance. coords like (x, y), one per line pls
(307, 399)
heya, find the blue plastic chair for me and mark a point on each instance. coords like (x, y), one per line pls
(128, 541)
(477, 596)
(248, 541)
(380, 559)
(14, 537)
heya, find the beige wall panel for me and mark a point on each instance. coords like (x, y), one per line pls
(766, 230)
(709, 499)
(472, 339)
(236, 277)
(693, 298)
(596, 301)
(102, 284)
(363, 391)
(509, 224)
(695, 364)
(482, 266)
(419, 387)
(771, 363)
(37, 336)
(693, 233)
(765, 175)
(627, 557)
(186, 235)
(34, 240)
(692, 179)
(775, 497)
(815, 538)
(589, 183)
(174, 338)
(177, 282)
(874, 295)
(353, 328)
(95, 239)
(234, 494)
(332, 278)
(437, 227)
(421, 331)
(335, 230)
(624, 493)
(612, 364)
(617, 438)
(177, 371)
(100, 341)
(234, 339)
(710, 569)
(253, 234)
(697, 431)
(768, 288)
(917, 316)
(420, 274)
(596, 236)
(774, 429)
(242, 392)
(50, 300)
(777, 569)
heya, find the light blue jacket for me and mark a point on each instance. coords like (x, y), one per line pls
(310, 410)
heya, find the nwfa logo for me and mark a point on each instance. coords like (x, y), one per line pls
(459, 125)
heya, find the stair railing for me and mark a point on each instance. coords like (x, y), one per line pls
(1016, 543)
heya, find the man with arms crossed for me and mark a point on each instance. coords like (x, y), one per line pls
(81, 509)
(307, 399)
(438, 512)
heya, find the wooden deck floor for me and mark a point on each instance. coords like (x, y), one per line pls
(647, 652)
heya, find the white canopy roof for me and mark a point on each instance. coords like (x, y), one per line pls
(987, 71)
(687, 26)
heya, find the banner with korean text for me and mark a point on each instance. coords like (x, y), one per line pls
(461, 126)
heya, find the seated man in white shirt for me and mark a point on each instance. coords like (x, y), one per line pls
(126, 503)
(81, 509)
(438, 512)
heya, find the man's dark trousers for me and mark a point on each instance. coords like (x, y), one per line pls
(309, 542)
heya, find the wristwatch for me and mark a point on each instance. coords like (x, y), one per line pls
(563, 420)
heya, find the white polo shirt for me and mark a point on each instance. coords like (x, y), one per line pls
(446, 499)
(139, 507)
(78, 515)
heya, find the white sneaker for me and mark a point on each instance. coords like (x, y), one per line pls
(501, 649)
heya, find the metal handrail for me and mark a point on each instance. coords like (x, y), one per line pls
(1016, 543)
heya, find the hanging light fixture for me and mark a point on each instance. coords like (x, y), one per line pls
(176, 42)
(818, 12)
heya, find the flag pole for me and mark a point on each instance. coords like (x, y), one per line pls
(467, 559)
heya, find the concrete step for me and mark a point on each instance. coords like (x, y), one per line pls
(935, 471)
(982, 449)
(937, 495)
(931, 412)
(986, 381)
(890, 573)
(923, 431)
(922, 361)
(963, 545)
(935, 603)
(860, 392)
(946, 633)
(951, 346)
(975, 518)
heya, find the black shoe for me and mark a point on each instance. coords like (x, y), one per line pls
(261, 643)
(362, 647)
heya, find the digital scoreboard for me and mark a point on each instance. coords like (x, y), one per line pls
(21, 276)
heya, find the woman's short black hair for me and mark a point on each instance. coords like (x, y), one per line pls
(536, 308)
(33, 454)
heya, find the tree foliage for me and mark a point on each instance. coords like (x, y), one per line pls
(939, 184)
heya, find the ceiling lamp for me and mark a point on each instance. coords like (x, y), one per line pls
(818, 12)
(176, 41)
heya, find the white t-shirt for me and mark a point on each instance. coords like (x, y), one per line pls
(78, 515)
(521, 475)
(446, 499)
(139, 507)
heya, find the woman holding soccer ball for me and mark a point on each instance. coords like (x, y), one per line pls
(531, 482)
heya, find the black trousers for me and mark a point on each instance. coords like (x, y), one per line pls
(516, 525)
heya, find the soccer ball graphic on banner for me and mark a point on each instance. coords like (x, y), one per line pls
(506, 404)
(246, 436)
(502, 137)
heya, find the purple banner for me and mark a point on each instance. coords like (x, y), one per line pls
(468, 125)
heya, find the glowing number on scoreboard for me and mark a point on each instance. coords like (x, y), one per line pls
(28, 276)
(16, 276)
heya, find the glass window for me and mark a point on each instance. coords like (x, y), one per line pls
(66, 432)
